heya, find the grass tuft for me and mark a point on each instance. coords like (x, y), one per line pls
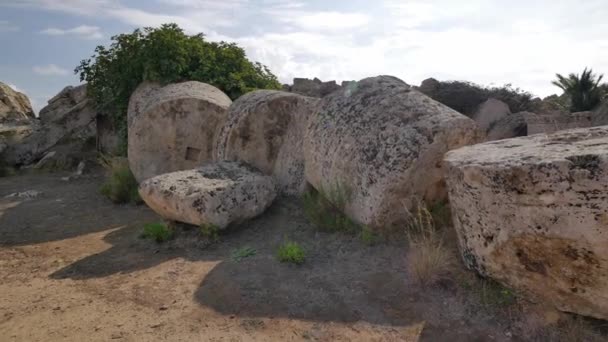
(157, 231)
(242, 253)
(210, 231)
(120, 186)
(291, 252)
(429, 260)
(368, 236)
(325, 209)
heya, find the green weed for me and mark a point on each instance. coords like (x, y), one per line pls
(120, 186)
(242, 253)
(291, 252)
(157, 231)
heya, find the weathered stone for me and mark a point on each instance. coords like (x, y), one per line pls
(74, 127)
(532, 213)
(549, 123)
(64, 101)
(384, 142)
(15, 107)
(311, 88)
(429, 86)
(140, 97)
(176, 129)
(489, 112)
(265, 129)
(511, 126)
(217, 194)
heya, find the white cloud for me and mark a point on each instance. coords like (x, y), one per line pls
(326, 21)
(83, 31)
(50, 70)
(6, 26)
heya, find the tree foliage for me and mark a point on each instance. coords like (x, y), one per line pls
(166, 54)
(585, 91)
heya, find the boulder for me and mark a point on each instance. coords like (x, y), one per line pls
(511, 126)
(217, 194)
(65, 100)
(265, 129)
(384, 143)
(15, 107)
(429, 86)
(489, 112)
(73, 129)
(176, 129)
(600, 114)
(532, 213)
(140, 97)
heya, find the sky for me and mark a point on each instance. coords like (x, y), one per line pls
(490, 42)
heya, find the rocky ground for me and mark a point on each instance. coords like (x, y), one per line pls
(73, 268)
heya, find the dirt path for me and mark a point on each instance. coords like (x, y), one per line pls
(73, 268)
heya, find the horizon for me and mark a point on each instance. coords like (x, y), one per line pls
(486, 42)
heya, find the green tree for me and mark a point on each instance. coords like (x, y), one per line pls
(166, 54)
(584, 90)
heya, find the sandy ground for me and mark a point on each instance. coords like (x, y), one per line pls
(73, 268)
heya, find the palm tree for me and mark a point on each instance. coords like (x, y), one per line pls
(584, 91)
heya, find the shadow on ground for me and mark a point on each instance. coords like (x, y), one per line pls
(64, 209)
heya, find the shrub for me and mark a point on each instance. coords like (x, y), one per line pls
(429, 260)
(465, 97)
(157, 231)
(120, 186)
(493, 294)
(210, 231)
(325, 209)
(166, 54)
(291, 252)
(242, 253)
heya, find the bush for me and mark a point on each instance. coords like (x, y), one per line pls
(210, 231)
(429, 260)
(325, 209)
(291, 252)
(157, 231)
(166, 55)
(465, 97)
(120, 186)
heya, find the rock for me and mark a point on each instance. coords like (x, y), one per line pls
(265, 129)
(176, 129)
(489, 112)
(15, 107)
(429, 86)
(383, 142)
(511, 126)
(217, 194)
(27, 195)
(64, 101)
(140, 97)
(69, 131)
(311, 88)
(45, 161)
(599, 115)
(532, 213)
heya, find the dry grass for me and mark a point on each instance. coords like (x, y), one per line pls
(120, 186)
(429, 260)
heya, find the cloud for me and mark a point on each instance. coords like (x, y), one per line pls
(6, 26)
(50, 70)
(326, 21)
(83, 31)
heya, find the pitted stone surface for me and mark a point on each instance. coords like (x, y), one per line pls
(265, 129)
(385, 143)
(218, 194)
(176, 129)
(532, 213)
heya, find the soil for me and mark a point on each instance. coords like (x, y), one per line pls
(74, 268)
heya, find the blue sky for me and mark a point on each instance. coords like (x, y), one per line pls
(485, 41)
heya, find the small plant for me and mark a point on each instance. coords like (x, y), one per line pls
(157, 231)
(429, 260)
(368, 236)
(493, 294)
(120, 186)
(242, 253)
(325, 209)
(291, 252)
(210, 231)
